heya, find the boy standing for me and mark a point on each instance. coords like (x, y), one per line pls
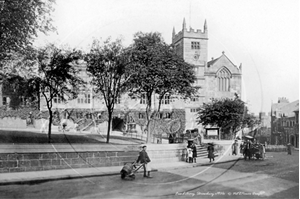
(145, 160)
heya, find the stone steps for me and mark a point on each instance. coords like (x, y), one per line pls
(202, 152)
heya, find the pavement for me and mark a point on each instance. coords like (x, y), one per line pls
(51, 175)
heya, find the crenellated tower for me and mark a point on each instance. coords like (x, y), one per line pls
(192, 45)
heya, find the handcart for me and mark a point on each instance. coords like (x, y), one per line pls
(129, 170)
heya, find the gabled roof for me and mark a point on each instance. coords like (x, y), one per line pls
(212, 62)
(286, 109)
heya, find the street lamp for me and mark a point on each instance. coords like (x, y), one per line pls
(2, 4)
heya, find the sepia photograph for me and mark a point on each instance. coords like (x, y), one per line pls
(149, 99)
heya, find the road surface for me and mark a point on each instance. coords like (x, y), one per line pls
(275, 177)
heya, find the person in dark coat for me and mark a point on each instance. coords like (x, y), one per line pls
(247, 150)
(145, 160)
(289, 149)
(194, 149)
(210, 150)
(242, 148)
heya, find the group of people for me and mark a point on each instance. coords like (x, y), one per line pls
(248, 148)
(191, 152)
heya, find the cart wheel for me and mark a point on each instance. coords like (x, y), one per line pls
(257, 156)
(123, 175)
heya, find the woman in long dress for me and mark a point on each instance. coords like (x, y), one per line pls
(235, 147)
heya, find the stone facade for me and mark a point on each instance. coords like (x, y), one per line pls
(285, 122)
(212, 83)
(1, 95)
(218, 78)
(51, 161)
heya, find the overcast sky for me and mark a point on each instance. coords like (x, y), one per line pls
(263, 35)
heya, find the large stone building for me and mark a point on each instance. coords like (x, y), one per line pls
(216, 78)
(285, 122)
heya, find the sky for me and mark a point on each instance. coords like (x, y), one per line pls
(262, 35)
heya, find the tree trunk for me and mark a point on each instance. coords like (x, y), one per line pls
(109, 126)
(148, 138)
(39, 97)
(49, 126)
(148, 115)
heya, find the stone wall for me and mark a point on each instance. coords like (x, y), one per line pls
(50, 161)
(9, 122)
(22, 158)
(276, 148)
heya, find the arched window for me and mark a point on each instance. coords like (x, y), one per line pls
(224, 77)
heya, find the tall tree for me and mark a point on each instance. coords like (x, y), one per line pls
(15, 79)
(156, 69)
(57, 75)
(107, 64)
(230, 115)
(20, 23)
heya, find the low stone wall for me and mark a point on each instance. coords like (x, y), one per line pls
(276, 148)
(8, 122)
(160, 153)
(22, 158)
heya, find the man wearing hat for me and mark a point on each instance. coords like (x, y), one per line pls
(145, 160)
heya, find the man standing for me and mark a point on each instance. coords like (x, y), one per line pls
(194, 148)
(145, 160)
(247, 150)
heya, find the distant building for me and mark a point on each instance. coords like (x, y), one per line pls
(284, 122)
(264, 129)
(265, 119)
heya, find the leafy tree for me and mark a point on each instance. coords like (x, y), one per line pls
(56, 75)
(156, 69)
(15, 79)
(107, 64)
(230, 115)
(15, 87)
(20, 23)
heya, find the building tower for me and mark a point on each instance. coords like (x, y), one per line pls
(192, 46)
